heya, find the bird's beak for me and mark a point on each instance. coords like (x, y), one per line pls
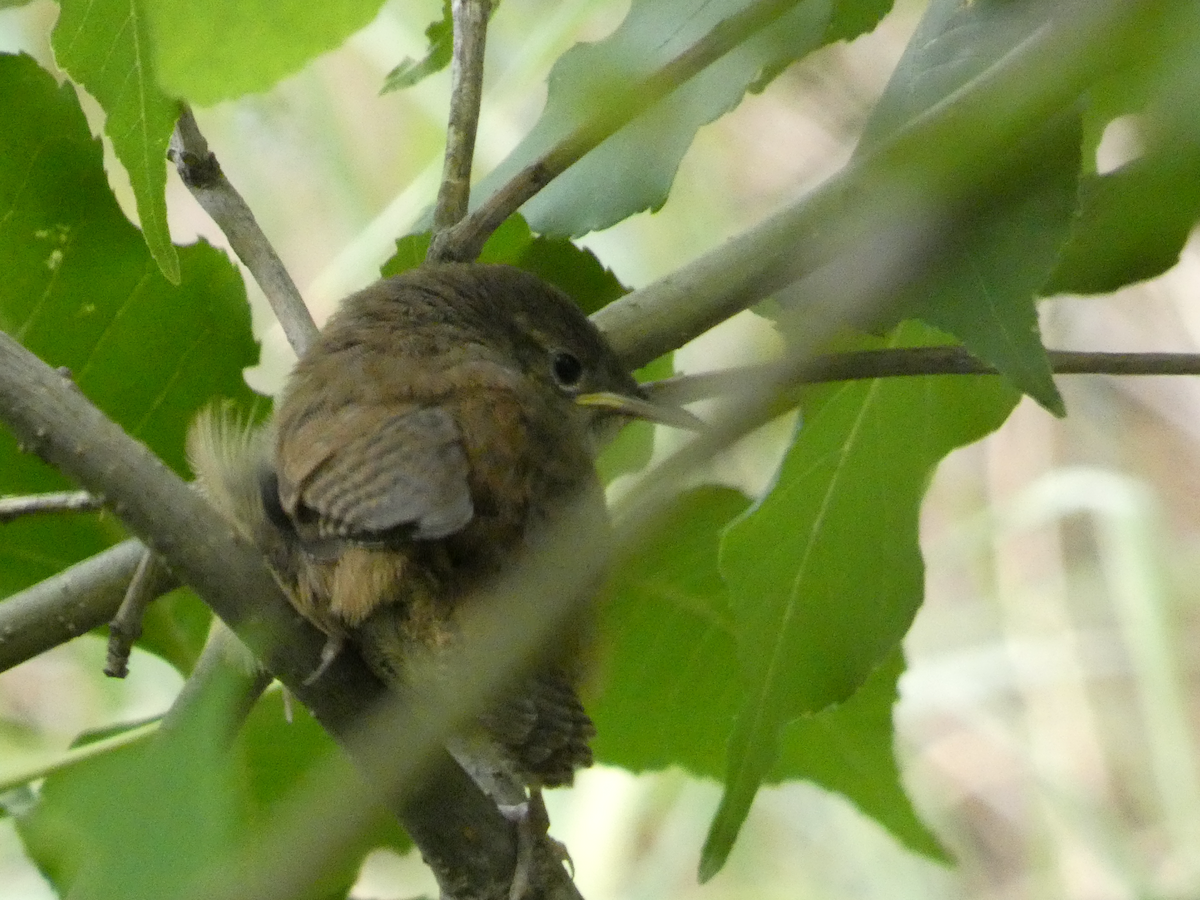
(641, 408)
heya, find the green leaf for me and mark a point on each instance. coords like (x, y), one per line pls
(998, 247)
(181, 804)
(633, 169)
(996, 259)
(81, 291)
(1132, 222)
(1000, 252)
(175, 627)
(669, 689)
(825, 573)
(140, 821)
(441, 49)
(222, 49)
(105, 46)
(278, 752)
(670, 695)
(574, 270)
(848, 748)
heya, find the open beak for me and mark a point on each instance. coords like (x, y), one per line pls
(640, 408)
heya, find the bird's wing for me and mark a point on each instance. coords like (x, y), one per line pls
(360, 475)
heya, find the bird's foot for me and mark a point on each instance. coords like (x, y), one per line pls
(533, 842)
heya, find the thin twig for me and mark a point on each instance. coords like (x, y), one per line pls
(619, 108)
(201, 172)
(470, 42)
(57, 502)
(126, 626)
(911, 361)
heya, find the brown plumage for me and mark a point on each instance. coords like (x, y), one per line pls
(440, 421)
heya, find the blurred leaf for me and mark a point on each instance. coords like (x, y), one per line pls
(574, 270)
(158, 814)
(1152, 69)
(222, 49)
(825, 573)
(633, 170)
(441, 49)
(996, 258)
(175, 627)
(80, 290)
(1000, 244)
(1132, 222)
(276, 756)
(140, 821)
(104, 46)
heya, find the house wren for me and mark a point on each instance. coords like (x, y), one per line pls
(441, 420)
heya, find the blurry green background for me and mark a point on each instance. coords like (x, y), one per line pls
(1047, 726)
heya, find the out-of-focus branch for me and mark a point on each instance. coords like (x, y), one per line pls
(470, 41)
(200, 171)
(878, 206)
(461, 833)
(466, 239)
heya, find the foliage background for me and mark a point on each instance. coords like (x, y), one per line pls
(1047, 724)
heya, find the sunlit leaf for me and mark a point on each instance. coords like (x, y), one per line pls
(105, 46)
(440, 35)
(221, 49)
(669, 692)
(633, 170)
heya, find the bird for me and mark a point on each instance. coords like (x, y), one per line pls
(443, 420)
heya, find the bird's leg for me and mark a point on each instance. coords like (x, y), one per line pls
(533, 835)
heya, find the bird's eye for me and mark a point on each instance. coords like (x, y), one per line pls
(567, 369)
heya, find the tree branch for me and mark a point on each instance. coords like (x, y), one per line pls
(57, 502)
(911, 361)
(881, 212)
(461, 833)
(202, 174)
(88, 594)
(466, 239)
(68, 604)
(470, 41)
